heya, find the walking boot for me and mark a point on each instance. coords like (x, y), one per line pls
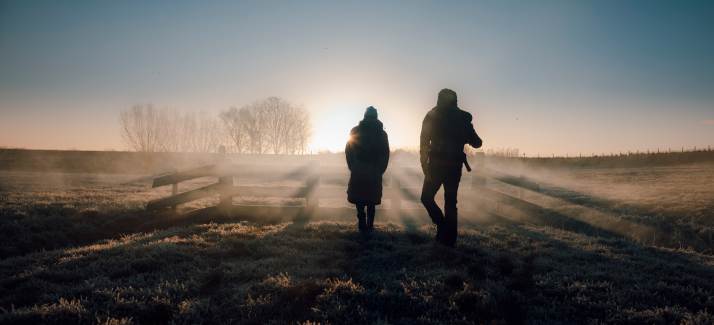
(440, 231)
(450, 233)
(370, 222)
(361, 222)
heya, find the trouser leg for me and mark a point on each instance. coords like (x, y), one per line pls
(370, 216)
(428, 192)
(452, 178)
(361, 217)
(451, 188)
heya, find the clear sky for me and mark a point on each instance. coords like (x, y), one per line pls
(542, 76)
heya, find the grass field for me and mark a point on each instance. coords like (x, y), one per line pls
(587, 260)
(661, 206)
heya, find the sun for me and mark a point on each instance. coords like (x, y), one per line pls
(333, 126)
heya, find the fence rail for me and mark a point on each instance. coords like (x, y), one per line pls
(225, 169)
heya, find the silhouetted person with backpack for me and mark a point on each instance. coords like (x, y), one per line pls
(444, 132)
(367, 154)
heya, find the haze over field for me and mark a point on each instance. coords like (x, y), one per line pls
(548, 77)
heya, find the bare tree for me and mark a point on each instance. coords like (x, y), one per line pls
(287, 128)
(180, 131)
(254, 119)
(278, 113)
(268, 125)
(303, 130)
(207, 136)
(234, 129)
(289, 134)
(274, 125)
(143, 129)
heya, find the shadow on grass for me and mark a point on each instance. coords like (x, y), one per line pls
(611, 217)
(558, 220)
(329, 272)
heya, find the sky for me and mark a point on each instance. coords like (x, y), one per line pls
(546, 77)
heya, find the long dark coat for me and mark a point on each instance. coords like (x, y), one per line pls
(367, 154)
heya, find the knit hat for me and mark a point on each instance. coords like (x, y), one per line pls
(370, 112)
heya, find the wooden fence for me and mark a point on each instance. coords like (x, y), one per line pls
(226, 170)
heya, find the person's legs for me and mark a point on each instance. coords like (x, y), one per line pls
(361, 217)
(452, 177)
(428, 192)
(370, 216)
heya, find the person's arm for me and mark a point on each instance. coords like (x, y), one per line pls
(385, 152)
(424, 140)
(349, 150)
(474, 140)
(424, 144)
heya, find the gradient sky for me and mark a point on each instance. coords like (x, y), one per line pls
(545, 77)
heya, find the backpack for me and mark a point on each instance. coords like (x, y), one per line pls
(450, 132)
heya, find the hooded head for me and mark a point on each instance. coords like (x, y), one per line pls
(370, 112)
(447, 97)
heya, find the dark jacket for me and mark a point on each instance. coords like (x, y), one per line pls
(433, 148)
(367, 154)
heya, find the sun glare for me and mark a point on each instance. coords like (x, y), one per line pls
(332, 127)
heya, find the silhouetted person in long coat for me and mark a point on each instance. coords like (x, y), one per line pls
(444, 132)
(367, 154)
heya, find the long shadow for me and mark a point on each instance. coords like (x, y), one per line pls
(619, 228)
(662, 235)
(509, 278)
(466, 218)
(549, 217)
(648, 278)
(580, 198)
(564, 222)
(555, 219)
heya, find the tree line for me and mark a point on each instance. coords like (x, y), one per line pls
(270, 125)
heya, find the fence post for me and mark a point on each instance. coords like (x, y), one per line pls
(174, 189)
(225, 179)
(396, 187)
(312, 201)
(521, 191)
